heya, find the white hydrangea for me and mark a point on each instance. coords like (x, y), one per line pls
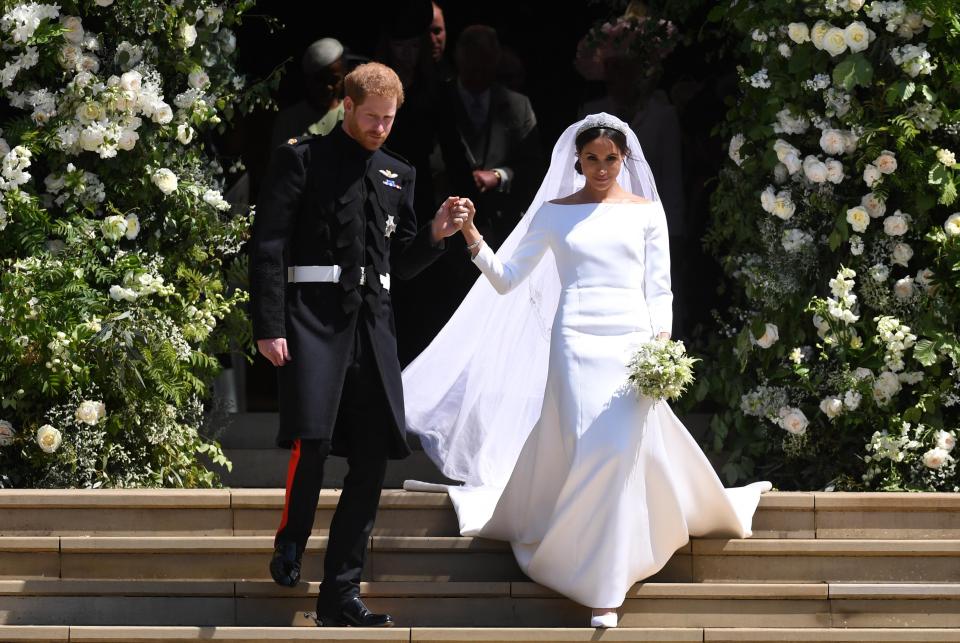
(856, 245)
(817, 83)
(760, 79)
(790, 123)
(23, 19)
(794, 239)
(915, 60)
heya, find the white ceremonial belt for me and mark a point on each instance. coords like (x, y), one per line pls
(327, 274)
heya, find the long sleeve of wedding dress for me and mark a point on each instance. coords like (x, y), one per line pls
(656, 280)
(504, 277)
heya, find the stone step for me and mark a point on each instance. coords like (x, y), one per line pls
(403, 558)
(256, 512)
(479, 604)
(101, 634)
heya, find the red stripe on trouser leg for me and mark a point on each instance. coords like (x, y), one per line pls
(291, 473)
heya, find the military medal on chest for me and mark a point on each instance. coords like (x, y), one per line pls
(389, 181)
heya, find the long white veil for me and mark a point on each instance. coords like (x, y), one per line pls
(475, 393)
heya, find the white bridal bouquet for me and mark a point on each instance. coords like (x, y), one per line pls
(661, 369)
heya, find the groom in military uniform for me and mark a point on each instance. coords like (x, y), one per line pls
(334, 224)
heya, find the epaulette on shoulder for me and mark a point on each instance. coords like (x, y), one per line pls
(298, 140)
(393, 154)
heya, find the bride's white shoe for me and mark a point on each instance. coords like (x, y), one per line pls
(606, 620)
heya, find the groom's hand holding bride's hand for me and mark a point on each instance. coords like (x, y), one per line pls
(450, 218)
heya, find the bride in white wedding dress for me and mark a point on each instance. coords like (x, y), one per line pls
(594, 487)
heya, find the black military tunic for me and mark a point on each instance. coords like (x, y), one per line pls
(329, 201)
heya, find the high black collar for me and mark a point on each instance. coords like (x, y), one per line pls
(350, 148)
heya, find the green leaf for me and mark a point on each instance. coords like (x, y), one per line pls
(938, 174)
(835, 240)
(949, 193)
(925, 352)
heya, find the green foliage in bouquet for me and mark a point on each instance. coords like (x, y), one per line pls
(838, 364)
(115, 238)
(661, 369)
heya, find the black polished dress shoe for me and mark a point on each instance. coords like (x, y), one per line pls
(285, 564)
(353, 614)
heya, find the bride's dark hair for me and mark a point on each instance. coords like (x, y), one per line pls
(619, 139)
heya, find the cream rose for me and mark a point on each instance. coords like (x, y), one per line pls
(834, 171)
(935, 458)
(952, 225)
(74, 27)
(834, 41)
(875, 206)
(831, 406)
(128, 139)
(90, 412)
(857, 36)
(886, 162)
(798, 32)
(133, 226)
(114, 227)
(896, 224)
(49, 438)
(831, 142)
(902, 253)
(793, 420)
(819, 32)
(814, 169)
(946, 440)
(165, 180)
(871, 175)
(198, 79)
(858, 218)
(89, 112)
(783, 205)
(184, 133)
(188, 35)
(770, 336)
(162, 113)
(904, 288)
(131, 81)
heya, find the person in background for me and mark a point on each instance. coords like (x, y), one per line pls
(322, 107)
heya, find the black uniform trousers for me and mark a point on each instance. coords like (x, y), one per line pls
(363, 410)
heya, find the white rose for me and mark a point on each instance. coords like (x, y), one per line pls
(793, 420)
(935, 458)
(835, 41)
(793, 163)
(770, 336)
(852, 399)
(858, 218)
(831, 142)
(952, 225)
(902, 253)
(875, 206)
(857, 36)
(819, 32)
(74, 27)
(733, 151)
(114, 227)
(188, 35)
(904, 288)
(814, 169)
(70, 55)
(799, 32)
(128, 139)
(198, 79)
(89, 112)
(946, 440)
(946, 157)
(834, 171)
(91, 138)
(184, 133)
(850, 141)
(924, 278)
(48, 438)
(131, 81)
(165, 180)
(103, 3)
(213, 15)
(783, 205)
(855, 5)
(871, 175)
(885, 386)
(89, 63)
(783, 148)
(228, 41)
(895, 225)
(886, 162)
(90, 412)
(133, 226)
(862, 373)
(831, 406)
(7, 434)
(162, 113)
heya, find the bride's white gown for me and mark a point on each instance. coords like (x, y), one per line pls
(608, 485)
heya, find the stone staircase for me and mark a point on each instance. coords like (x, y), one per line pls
(171, 565)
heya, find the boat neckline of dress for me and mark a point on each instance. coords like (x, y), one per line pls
(604, 203)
